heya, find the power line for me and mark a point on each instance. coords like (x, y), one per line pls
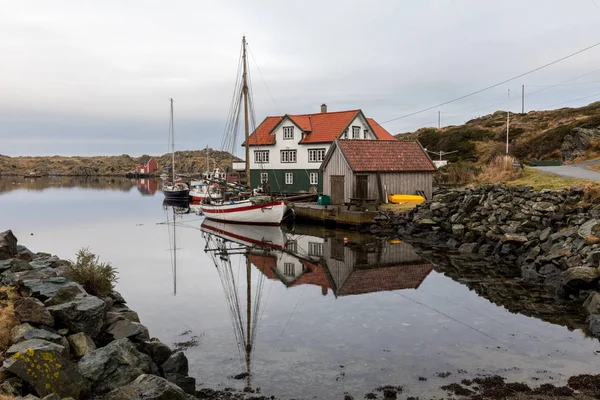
(494, 85)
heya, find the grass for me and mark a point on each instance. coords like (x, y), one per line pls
(97, 278)
(500, 169)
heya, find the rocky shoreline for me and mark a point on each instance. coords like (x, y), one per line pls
(67, 343)
(552, 236)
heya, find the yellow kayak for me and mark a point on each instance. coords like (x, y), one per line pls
(405, 198)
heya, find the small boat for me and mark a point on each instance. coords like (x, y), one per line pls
(405, 198)
(239, 207)
(175, 189)
(201, 191)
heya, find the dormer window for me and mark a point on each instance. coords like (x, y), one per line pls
(356, 132)
(288, 133)
(366, 133)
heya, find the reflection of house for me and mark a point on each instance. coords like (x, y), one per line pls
(372, 169)
(147, 187)
(147, 165)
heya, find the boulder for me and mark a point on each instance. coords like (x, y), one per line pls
(48, 261)
(17, 265)
(513, 239)
(594, 325)
(592, 303)
(64, 294)
(458, 230)
(148, 387)
(23, 253)
(52, 396)
(544, 206)
(113, 365)
(127, 329)
(187, 383)
(8, 245)
(177, 363)
(468, 248)
(12, 386)
(580, 277)
(158, 351)
(45, 288)
(43, 366)
(549, 269)
(81, 344)
(27, 332)
(29, 309)
(83, 314)
(577, 142)
(545, 234)
(590, 227)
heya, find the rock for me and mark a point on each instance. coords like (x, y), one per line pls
(485, 250)
(591, 239)
(592, 303)
(19, 265)
(127, 329)
(468, 248)
(12, 386)
(29, 309)
(591, 227)
(64, 294)
(148, 387)
(45, 288)
(458, 230)
(545, 234)
(52, 396)
(513, 239)
(549, 269)
(17, 334)
(186, 383)
(594, 325)
(8, 245)
(113, 365)
(580, 277)
(29, 332)
(83, 314)
(577, 142)
(544, 206)
(425, 222)
(81, 344)
(42, 365)
(177, 363)
(23, 253)
(158, 351)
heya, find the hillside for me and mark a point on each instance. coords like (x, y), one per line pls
(187, 162)
(564, 134)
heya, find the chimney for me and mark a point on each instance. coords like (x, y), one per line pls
(323, 108)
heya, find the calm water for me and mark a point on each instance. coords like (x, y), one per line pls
(327, 315)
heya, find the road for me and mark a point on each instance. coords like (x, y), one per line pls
(574, 171)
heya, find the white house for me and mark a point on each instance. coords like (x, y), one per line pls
(287, 151)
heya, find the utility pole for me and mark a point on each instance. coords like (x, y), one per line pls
(439, 119)
(507, 120)
(522, 99)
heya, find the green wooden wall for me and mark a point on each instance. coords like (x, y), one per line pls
(277, 180)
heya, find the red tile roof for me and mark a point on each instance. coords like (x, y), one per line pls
(385, 156)
(370, 280)
(265, 264)
(314, 275)
(317, 128)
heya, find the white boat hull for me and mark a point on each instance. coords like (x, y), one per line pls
(245, 212)
(246, 235)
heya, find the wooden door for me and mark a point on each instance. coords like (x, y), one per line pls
(361, 187)
(337, 189)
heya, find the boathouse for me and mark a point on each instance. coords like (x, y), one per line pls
(147, 165)
(374, 169)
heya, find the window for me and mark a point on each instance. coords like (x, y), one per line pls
(288, 132)
(345, 134)
(291, 246)
(264, 177)
(289, 178)
(261, 156)
(356, 132)
(289, 269)
(314, 178)
(366, 133)
(315, 249)
(316, 155)
(288, 156)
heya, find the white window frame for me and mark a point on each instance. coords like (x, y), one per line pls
(356, 132)
(289, 269)
(264, 177)
(261, 156)
(291, 246)
(313, 178)
(288, 133)
(288, 156)
(315, 249)
(289, 178)
(316, 155)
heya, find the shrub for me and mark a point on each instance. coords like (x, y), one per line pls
(97, 278)
(500, 169)
(459, 173)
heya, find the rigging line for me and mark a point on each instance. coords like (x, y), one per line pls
(448, 316)
(263, 78)
(494, 85)
(571, 101)
(595, 5)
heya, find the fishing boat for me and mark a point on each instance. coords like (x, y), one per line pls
(174, 189)
(241, 208)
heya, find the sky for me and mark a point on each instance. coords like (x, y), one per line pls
(84, 77)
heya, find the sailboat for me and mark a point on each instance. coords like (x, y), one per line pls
(259, 210)
(174, 189)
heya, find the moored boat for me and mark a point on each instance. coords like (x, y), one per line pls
(174, 189)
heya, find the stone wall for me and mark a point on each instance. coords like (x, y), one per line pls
(553, 236)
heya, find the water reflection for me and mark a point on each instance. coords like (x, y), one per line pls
(173, 214)
(146, 187)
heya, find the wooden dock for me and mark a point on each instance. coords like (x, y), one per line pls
(333, 215)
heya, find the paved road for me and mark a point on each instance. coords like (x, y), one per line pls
(574, 170)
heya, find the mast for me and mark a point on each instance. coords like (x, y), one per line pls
(245, 93)
(172, 143)
(207, 162)
(174, 257)
(248, 315)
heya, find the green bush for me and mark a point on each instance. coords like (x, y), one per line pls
(97, 278)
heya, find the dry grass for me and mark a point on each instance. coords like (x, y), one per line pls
(539, 181)
(500, 169)
(97, 278)
(7, 316)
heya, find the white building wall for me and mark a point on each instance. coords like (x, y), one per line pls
(301, 149)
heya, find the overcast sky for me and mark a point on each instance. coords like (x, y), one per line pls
(95, 77)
